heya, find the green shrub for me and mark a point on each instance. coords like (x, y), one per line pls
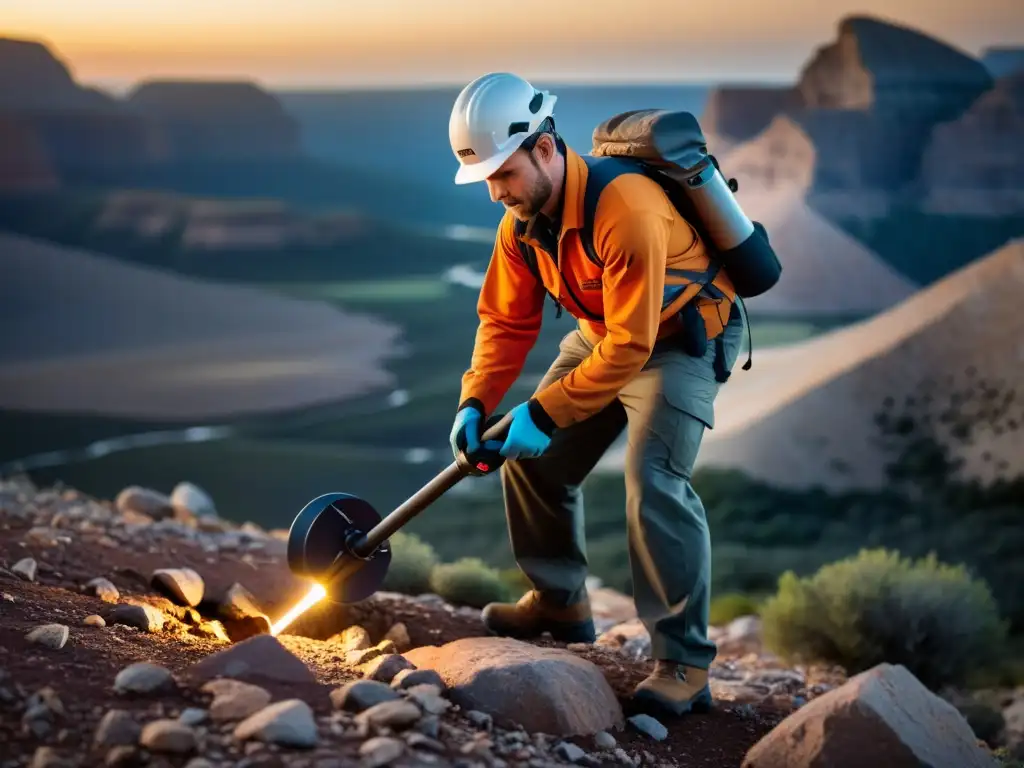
(515, 581)
(725, 608)
(412, 562)
(468, 581)
(933, 618)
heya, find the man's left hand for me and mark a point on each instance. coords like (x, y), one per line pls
(526, 439)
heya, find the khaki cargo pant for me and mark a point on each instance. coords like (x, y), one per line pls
(665, 409)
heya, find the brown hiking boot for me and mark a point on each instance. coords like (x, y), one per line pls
(531, 616)
(674, 689)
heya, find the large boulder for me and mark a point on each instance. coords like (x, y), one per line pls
(546, 690)
(883, 716)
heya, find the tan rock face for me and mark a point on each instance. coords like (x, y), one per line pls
(883, 716)
(541, 689)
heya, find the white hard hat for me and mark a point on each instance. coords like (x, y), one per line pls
(491, 118)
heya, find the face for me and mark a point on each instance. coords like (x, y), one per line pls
(523, 184)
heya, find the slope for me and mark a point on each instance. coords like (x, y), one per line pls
(91, 334)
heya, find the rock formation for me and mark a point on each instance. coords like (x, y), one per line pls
(736, 113)
(1002, 60)
(975, 164)
(940, 368)
(32, 78)
(24, 162)
(219, 120)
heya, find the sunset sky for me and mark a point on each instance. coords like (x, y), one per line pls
(304, 43)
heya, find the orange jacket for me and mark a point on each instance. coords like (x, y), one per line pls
(641, 239)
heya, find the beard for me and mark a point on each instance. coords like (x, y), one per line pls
(536, 197)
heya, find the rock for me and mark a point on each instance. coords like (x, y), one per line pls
(604, 740)
(362, 694)
(237, 630)
(428, 698)
(569, 752)
(380, 750)
(191, 497)
(546, 690)
(480, 719)
(144, 501)
(887, 713)
(238, 603)
(236, 700)
(630, 638)
(193, 715)
(361, 656)
(409, 678)
(399, 636)
(260, 658)
(384, 668)
(144, 677)
(144, 617)
(182, 585)
(123, 756)
(116, 728)
(396, 714)
(52, 636)
(288, 723)
(94, 620)
(166, 735)
(648, 726)
(1013, 716)
(25, 569)
(353, 638)
(49, 757)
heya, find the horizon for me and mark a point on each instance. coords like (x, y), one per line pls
(317, 45)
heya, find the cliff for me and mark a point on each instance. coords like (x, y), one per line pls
(33, 79)
(975, 164)
(222, 120)
(1003, 60)
(24, 162)
(736, 113)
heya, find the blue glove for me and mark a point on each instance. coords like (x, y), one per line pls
(465, 435)
(529, 434)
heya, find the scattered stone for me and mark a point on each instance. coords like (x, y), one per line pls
(480, 719)
(123, 756)
(540, 689)
(353, 638)
(116, 728)
(399, 635)
(384, 668)
(44, 536)
(166, 735)
(361, 656)
(94, 620)
(52, 636)
(238, 603)
(143, 501)
(428, 698)
(199, 762)
(380, 750)
(648, 726)
(288, 723)
(194, 499)
(237, 630)
(144, 617)
(362, 694)
(183, 585)
(409, 678)
(258, 659)
(417, 740)
(887, 713)
(7, 596)
(144, 678)
(604, 740)
(193, 716)
(236, 701)
(397, 714)
(25, 569)
(49, 757)
(569, 752)
(630, 638)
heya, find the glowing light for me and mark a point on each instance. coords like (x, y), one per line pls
(314, 596)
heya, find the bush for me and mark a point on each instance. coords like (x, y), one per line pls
(515, 581)
(731, 606)
(933, 618)
(469, 581)
(412, 562)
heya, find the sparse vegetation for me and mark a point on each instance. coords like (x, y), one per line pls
(727, 607)
(412, 563)
(934, 618)
(469, 581)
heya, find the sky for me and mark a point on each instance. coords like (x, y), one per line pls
(350, 43)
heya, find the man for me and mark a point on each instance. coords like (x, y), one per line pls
(623, 368)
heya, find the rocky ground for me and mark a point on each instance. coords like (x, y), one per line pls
(134, 632)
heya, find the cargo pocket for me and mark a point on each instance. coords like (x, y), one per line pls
(679, 423)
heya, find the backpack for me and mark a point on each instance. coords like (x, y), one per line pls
(669, 147)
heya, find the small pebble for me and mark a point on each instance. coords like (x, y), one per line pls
(52, 636)
(94, 620)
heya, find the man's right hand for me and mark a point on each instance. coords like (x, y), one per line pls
(465, 435)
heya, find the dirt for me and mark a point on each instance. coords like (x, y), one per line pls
(83, 670)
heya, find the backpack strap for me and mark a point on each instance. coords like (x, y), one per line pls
(600, 172)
